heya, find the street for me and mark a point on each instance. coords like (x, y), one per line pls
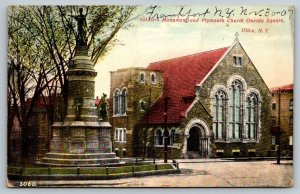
(202, 173)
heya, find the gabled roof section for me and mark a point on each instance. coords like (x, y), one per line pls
(182, 75)
(236, 41)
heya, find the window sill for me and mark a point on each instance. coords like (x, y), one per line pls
(174, 146)
(124, 115)
(219, 141)
(234, 65)
(250, 141)
(236, 141)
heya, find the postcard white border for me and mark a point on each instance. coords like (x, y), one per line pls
(3, 88)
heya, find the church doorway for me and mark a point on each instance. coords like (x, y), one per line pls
(193, 140)
(197, 142)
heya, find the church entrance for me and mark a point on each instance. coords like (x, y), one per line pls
(193, 140)
(197, 142)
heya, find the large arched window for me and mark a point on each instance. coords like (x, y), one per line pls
(123, 102)
(219, 114)
(172, 137)
(116, 102)
(235, 114)
(251, 116)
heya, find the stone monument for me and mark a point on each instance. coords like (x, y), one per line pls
(82, 139)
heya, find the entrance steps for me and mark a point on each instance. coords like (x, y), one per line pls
(193, 155)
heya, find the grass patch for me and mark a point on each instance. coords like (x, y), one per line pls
(141, 168)
(87, 170)
(164, 167)
(14, 170)
(93, 170)
(119, 170)
(64, 171)
(35, 171)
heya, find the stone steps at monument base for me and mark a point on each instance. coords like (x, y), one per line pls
(77, 162)
(81, 165)
(80, 156)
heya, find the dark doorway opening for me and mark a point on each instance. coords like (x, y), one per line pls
(193, 140)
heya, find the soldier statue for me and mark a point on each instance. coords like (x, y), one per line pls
(81, 39)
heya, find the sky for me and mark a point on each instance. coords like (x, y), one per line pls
(272, 52)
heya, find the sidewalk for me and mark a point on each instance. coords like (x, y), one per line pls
(203, 174)
(210, 160)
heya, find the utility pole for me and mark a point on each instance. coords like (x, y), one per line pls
(153, 150)
(278, 128)
(166, 134)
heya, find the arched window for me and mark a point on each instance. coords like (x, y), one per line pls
(116, 102)
(219, 107)
(235, 114)
(251, 116)
(158, 137)
(123, 102)
(142, 77)
(172, 137)
(153, 78)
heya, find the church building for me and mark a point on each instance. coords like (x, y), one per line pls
(212, 104)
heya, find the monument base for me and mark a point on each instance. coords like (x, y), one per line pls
(80, 143)
(93, 159)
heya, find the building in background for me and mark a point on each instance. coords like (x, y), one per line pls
(39, 132)
(218, 104)
(282, 118)
(132, 92)
(14, 143)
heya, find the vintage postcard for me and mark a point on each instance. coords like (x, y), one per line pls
(150, 96)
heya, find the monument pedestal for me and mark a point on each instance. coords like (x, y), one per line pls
(81, 139)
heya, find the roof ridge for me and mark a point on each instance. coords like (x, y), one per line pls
(188, 55)
(283, 87)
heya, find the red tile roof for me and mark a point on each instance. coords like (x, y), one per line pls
(283, 88)
(181, 75)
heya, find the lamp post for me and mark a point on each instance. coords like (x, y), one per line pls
(278, 128)
(166, 134)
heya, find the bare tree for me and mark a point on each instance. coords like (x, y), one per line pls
(41, 44)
